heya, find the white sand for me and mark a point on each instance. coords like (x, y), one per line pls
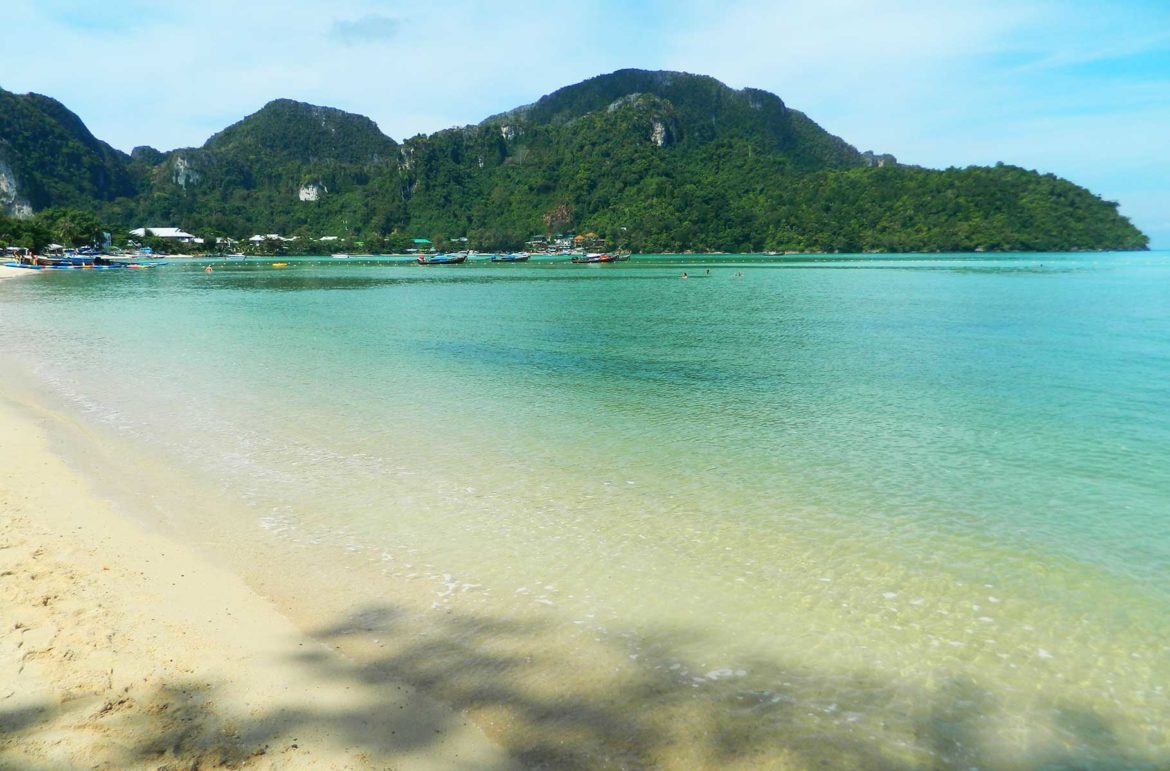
(122, 649)
(7, 272)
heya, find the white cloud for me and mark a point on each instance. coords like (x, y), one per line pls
(1032, 82)
(1041, 84)
(371, 28)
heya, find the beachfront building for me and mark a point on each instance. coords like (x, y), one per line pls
(259, 239)
(177, 235)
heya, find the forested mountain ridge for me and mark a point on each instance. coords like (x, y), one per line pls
(287, 167)
(297, 132)
(649, 161)
(706, 109)
(49, 158)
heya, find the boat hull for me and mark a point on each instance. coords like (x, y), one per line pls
(442, 260)
(86, 266)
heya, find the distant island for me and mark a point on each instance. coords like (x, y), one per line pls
(635, 160)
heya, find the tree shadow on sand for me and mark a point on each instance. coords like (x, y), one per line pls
(660, 710)
(653, 711)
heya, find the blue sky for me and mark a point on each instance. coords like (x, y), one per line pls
(1078, 88)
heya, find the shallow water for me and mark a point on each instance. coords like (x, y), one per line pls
(857, 510)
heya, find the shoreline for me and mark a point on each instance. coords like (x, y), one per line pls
(124, 648)
(649, 614)
(7, 272)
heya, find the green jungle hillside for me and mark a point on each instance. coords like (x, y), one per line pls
(48, 158)
(647, 161)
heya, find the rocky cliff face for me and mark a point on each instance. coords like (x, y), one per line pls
(11, 202)
(183, 174)
(312, 192)
(876, 161)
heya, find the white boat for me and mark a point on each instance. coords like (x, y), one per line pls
(341, 256)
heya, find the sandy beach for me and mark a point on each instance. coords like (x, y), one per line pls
(120, 648)
(7, 272)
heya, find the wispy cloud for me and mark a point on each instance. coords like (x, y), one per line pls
(104, 18)
(371, 28)
(1074, 87)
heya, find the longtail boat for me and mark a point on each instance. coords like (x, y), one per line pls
(442, 259)
(591, 258)
(80, 263)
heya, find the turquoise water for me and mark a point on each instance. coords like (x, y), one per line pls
(909, 510)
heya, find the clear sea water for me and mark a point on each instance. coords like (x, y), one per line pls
(854, 511)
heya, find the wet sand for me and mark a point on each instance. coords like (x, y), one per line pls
(7, 272)
(120, 648)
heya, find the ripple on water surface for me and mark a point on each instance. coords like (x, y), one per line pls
(904, 513)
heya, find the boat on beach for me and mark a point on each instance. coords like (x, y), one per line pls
(443, 259)
(80, 262)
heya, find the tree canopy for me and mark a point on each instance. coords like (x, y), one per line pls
(649, 161)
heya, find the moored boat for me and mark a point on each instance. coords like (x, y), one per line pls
(518, 257)
(591, 258)
(77, 262)
(442, 259)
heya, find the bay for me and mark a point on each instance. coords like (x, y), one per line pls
(863, 510)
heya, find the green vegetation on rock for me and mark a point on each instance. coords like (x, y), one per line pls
(649, 161)
(54, 159)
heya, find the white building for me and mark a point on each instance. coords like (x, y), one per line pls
(171, 234)
(259, 239)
